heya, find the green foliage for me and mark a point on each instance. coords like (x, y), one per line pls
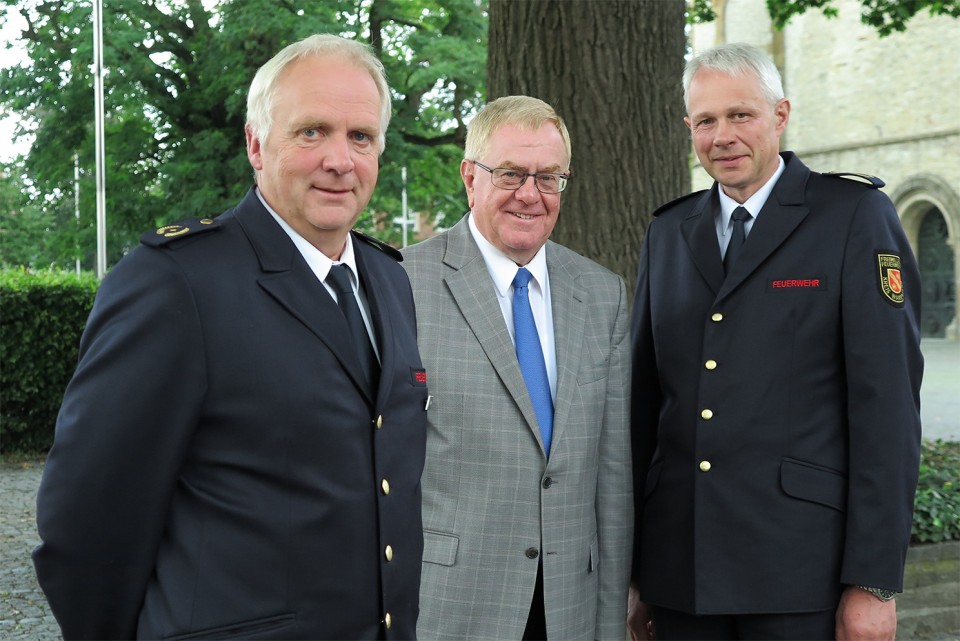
(936, 515)
(43, 317)
(886, 16)
(175, 82)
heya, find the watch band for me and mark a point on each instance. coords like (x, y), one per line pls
(880, 593)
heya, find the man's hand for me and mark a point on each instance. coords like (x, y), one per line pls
(638, 618)
(863, 617)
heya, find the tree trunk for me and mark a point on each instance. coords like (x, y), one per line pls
(612, 70)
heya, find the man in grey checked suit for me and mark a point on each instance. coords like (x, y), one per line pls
(526, 534)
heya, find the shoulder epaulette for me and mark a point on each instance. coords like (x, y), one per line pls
(677, 201)
(873, 181)
(389, 250)
(169, 233)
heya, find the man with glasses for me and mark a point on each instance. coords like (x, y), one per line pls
(527, 502)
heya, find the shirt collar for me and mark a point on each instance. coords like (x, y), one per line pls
(754, 203)
(502, 269)
(318, 262)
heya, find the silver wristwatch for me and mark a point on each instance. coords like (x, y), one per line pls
(880, 593)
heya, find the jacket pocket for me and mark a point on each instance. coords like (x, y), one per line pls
(440, 548)
(814, 483)
(241, 630)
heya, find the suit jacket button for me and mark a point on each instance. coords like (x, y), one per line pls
(706, 414)
(532, 553)
(388, 552)
(385, 485)
(705, 466)
(379, 422)
(387, 620)
(716, 318)
(711, 364)
(547, 482)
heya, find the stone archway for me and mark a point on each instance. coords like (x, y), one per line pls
(930, 211)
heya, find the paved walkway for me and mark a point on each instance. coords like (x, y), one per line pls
(24, 615)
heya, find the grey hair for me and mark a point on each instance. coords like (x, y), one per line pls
(736, 59)
(263, 90)
(524, 112)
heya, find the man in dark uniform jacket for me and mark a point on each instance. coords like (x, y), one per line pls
(775, 393)
(227, 464)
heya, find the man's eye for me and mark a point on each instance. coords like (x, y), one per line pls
(360, 136)
(510, 174)
(547, 179)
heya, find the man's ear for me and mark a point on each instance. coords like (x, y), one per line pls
(468, 174)
(253, 148)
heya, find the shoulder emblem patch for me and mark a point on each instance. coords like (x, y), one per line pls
(167, 233)
(890, 278)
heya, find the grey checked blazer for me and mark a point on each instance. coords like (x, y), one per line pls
(493, 506)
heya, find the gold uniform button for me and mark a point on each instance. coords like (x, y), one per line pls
(705, 466)
(711, 364)
(388, 552)
(379, 421)
(706, 414)
(716, 318)
(385, 485)
(388, 620)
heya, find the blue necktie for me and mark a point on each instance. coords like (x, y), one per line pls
(530, 356)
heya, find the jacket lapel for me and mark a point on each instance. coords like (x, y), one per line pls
(700, 233)
(473, 292)
(568, 301)
(373, 284)
(288, 279)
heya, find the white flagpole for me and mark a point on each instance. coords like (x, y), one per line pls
(98, 128)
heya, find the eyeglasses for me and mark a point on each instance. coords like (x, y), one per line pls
(513, 179)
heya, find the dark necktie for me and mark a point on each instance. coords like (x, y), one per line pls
(530, 356)
(339, 279)
(737, 239)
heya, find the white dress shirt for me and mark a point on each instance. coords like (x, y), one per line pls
(753, 205)
(502, 272)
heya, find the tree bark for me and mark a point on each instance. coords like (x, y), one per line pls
(612, 70)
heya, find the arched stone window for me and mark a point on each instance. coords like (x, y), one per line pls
(930, 211)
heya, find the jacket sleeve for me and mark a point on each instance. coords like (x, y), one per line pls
(614, 485)
(126, 418)
(645, 391)
(884, 366)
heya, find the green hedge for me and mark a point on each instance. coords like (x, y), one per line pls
(936, 510)
(42, 315)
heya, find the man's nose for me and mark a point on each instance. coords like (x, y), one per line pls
(337, 155)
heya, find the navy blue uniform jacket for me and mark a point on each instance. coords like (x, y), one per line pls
(218, 471)
(776, 412)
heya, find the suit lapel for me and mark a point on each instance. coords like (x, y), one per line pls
(700, 234)
(568, 301)
(473, 292)
(288, 279)
(373, 283)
